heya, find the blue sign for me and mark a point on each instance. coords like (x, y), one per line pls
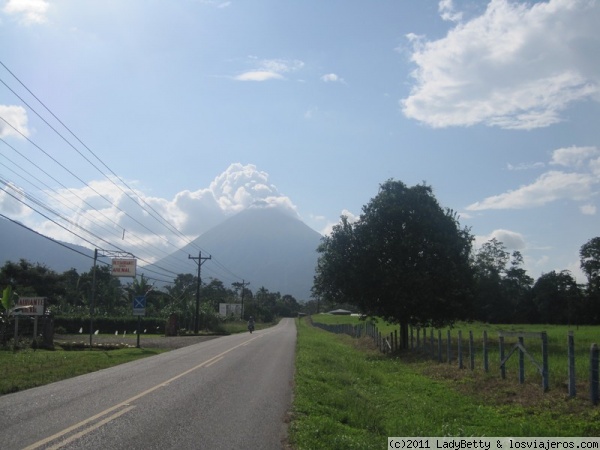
(139, 306)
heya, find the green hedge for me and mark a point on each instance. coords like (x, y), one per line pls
(108, 325)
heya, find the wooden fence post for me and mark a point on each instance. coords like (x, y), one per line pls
(545, 371)
(594, 374)
(439, 346)
(486, 365)
(571, 353)
(460, 354)
(521, 361)
(503, 364)
(432, 342)
(396, 339)
(471, 350)
(449, 348)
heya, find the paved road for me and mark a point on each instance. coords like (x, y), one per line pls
(227, 393)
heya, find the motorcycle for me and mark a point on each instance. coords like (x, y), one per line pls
(250, 327)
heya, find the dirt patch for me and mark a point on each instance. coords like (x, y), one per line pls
(170, 343)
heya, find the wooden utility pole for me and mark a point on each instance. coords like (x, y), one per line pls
(199, 260)
(244, 284)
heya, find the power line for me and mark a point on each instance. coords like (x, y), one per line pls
(139, 201)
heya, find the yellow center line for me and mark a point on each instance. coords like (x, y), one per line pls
(215, 361)
(90, 429)
(126, 403)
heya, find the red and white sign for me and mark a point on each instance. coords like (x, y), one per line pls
(123, 267)
(30, 306)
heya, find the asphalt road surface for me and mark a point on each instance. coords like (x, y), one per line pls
(233, 392)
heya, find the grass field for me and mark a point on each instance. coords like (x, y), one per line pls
(584, 336)
(349, 395)
(28, 368)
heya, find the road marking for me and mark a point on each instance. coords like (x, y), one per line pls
(126, 403)
(215, 361)
(90, 429)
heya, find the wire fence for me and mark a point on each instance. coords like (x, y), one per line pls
(528, 354)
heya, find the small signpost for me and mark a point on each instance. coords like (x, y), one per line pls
(139, 310)
(139, 306)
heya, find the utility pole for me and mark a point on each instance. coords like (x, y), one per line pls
(93, 299)
(199, 260)
(244, 284)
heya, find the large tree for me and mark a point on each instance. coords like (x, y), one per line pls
(406, 260)
(557, 297)
(502, 291)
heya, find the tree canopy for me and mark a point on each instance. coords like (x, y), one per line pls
(406, 259)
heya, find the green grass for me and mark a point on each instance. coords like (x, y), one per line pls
(348, 395)
(584, 336)
(27, 368)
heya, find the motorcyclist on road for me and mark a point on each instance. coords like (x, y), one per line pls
(251, 324)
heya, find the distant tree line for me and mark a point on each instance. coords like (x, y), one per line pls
(69, 294)
(407, 260)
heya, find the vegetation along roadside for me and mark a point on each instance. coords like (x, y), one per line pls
(349, 395)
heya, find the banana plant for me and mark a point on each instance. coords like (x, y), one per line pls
(7, 299)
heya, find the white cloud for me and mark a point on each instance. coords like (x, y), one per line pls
(516, 66)
(448, 12)
(326, 231)
(16, 116)
(573, 156)
(549, 187)
(579, 185)
(332, 78)
(10, 202)
(109, 213)
(270, 69)
(511, 239)
(526, 166)
(588, 210)
(258, 75)
(28, 11)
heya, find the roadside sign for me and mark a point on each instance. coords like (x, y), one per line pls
(30, 306)
(123, 267)
(139, 306)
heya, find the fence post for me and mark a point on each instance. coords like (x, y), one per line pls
(460, 354)
(545, 372)
(396, 339)
(571, 353)
(594, 374)
(449, 348)
(471, 350)
(486, 365)
(521, 361)
(502, 366)
(439, 346)
(432, 343)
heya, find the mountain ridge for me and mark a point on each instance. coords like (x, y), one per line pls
(265, 246)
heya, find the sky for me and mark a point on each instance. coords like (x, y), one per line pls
(139, 125)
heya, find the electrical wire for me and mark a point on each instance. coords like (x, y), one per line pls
(138, 200)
